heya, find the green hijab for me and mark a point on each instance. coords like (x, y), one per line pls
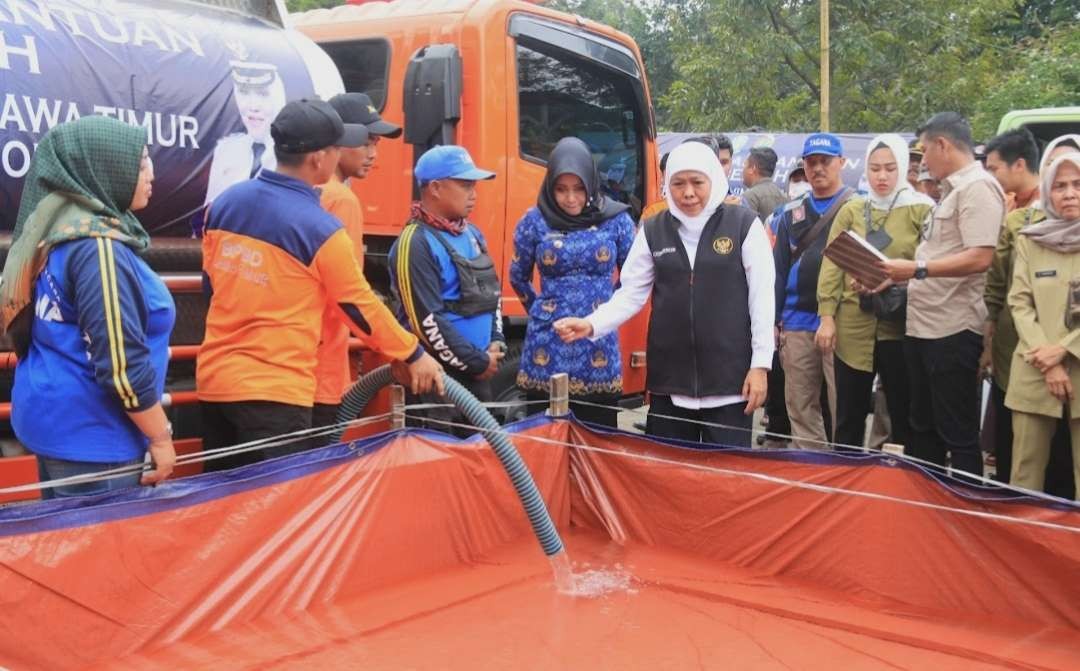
(80, 185)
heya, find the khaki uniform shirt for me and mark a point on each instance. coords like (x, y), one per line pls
(764, 197)
(970, 214)
(1038, 299)
(856, 329)
(998, 281)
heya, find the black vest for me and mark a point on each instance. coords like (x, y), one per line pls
(699, 330)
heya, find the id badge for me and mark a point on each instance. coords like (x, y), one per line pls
(879, 239)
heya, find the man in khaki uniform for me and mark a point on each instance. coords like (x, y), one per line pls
(945, 311)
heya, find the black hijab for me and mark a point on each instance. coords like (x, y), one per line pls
(571, 156)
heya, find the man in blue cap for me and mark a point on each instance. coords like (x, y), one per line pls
(442, 275)
(802, 230)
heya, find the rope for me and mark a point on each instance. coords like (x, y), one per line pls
(828, 447)
(196, 457)
(800, 484)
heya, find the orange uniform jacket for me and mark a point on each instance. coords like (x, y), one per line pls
(272, 260)
(332, 370)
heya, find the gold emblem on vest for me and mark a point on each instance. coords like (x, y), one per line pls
(548, 258)
(603, 255)
(599, 359)
(723, 246)
(540, 357)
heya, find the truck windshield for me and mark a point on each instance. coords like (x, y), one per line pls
(363, 65)
(562, 94)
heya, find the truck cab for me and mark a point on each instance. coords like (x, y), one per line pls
(506, 80)
(1044, 123)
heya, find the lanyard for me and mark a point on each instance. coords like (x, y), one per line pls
(869, 219)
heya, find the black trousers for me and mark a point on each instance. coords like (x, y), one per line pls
(738, 431)
(237, 422)
(608, 417)
(323, 414)
(1059, 473)
(855, 394)
(944, 416)
(775, 403)
(447, 420)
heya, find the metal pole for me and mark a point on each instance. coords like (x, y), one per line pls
(397, 406)
(825, 65)
(559, 395)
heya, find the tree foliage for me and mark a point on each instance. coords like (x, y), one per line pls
(305, 5)
(738, 64)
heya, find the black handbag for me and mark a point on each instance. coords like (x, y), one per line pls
(889, 305)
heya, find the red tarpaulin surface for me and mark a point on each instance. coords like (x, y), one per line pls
(411, 551)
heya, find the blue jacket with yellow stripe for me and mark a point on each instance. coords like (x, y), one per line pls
(99, 348)
(424, 279)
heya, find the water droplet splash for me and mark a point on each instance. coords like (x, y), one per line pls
(590, 582)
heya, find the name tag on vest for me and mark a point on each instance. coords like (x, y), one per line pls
(1045, 273)
(660, 252)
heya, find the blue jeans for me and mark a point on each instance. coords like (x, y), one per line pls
(54, 469)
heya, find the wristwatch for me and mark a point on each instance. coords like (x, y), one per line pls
(921, 271)
(501, 345)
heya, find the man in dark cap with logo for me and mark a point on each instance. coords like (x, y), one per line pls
(339, 199)
(272, 260)
(443, 276)
(802, 229)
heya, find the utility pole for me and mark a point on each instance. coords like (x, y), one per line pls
(824, 65)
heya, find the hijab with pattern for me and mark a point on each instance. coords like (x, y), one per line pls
(571, 156)
(80, 184)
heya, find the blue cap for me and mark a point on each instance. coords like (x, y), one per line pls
(448, 161)
(822, 143)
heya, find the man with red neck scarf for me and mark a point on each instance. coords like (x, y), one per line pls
(442, 275)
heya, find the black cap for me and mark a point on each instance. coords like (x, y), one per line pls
(358, 108)
(304, 126)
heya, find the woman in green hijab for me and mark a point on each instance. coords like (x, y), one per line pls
(90, 319)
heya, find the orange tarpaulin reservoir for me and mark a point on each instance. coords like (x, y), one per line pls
(409, 550)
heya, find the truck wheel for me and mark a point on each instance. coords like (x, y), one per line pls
(504, 389)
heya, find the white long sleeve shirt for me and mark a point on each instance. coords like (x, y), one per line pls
(639, 273)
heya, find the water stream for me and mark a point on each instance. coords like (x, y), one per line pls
(588, 582)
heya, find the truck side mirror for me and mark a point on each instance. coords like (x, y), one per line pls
(432, 97)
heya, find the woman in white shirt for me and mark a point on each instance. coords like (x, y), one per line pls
(708, 269)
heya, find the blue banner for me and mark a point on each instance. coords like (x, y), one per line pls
(788, 148)
(205, 84)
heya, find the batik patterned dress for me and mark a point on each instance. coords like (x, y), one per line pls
(577, 273)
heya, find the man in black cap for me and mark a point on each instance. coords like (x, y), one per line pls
(339, 199)
(272, 260)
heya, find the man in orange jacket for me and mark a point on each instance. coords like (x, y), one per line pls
(272, 260)
(332, 371)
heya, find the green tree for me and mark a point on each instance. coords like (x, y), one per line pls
(1045, 73)
(305, 5)
(745, 63)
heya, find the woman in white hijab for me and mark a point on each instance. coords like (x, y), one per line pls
(1045, 303)
(865, 333)
(708, 269)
